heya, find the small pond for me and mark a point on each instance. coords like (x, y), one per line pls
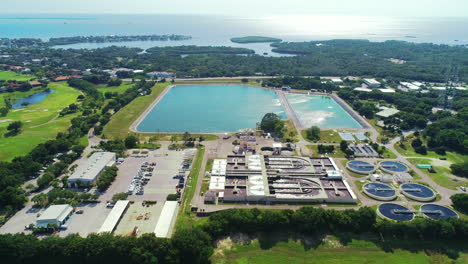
(32, 99)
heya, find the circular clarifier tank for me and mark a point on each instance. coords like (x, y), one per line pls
(436, 211)
(393, 167)
(361, 167)
(395, 212)
(418, 192)
(380, 191)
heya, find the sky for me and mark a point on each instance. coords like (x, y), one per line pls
(247, 8)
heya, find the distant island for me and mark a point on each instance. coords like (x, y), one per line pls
(255, 39)
(114, 38)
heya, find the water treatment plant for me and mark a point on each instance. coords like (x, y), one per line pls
(393, 167)
(380, 191)
(417, 192)
(395, 212)
(361, 167)
(436, 211)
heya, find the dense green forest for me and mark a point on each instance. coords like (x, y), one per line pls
(195, 245)
(427, 62)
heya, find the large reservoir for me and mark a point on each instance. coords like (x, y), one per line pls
(211, 109)
(321, 111)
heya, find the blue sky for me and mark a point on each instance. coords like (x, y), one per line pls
(248, 8)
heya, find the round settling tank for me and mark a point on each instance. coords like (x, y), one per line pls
(417, 192)
(361, 167)
(395, 212)
(379, 191)
(393, 167)
(436, 211)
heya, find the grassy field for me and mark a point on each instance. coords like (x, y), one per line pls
(118, 126)
(40, 122)
(10, 75)
(119, 89)
(338, 153)
(408, 151)
(326, 136)
(443, 176)
(330, 251)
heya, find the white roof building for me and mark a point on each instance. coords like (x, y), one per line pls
(336, 80)
(372, 83)
(410, 86)
(217, 183)
(387, 90)
(166, 219)
(90, 170)
(55, 214)
(386, 112)
(114, 216)
(361, 89)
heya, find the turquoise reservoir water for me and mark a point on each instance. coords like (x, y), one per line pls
(321, 111)
(32, 99)
(211, 109)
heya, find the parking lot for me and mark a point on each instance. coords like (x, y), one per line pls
(160, 184)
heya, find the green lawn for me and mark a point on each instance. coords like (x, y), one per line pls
(118, 126)
(442, 175)
(408, 151)
(326, 136)
(35, 117)
(119, 89)
(330, 251)
(10, 75)
(338, 153)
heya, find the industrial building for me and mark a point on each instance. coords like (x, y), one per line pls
(279, 179)
(386, 112)
(373, 83)
(55, 215)
(86, 174)
(363, 150)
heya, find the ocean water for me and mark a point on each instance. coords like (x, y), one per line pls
(211, 109)
(217, 30)
(321, 111)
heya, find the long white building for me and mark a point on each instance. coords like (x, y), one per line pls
(87, 173)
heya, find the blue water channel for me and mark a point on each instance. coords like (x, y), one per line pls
(211, 109)
(32, 99)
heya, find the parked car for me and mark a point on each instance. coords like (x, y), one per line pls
(79, 212)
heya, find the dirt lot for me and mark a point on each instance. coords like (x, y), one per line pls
(145, 218)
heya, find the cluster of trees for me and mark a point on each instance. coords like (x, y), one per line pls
(186, 246)
(14, 128)
(313, 133)
(446, 132)
(195, 244)
(62, 196)
(272, 123)
(333, 58)
(322, 149)
(460, 169)
(460, 202)
(106, 178)
(309, 220)
(300, 83)
(119, 145)
(140, 88)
